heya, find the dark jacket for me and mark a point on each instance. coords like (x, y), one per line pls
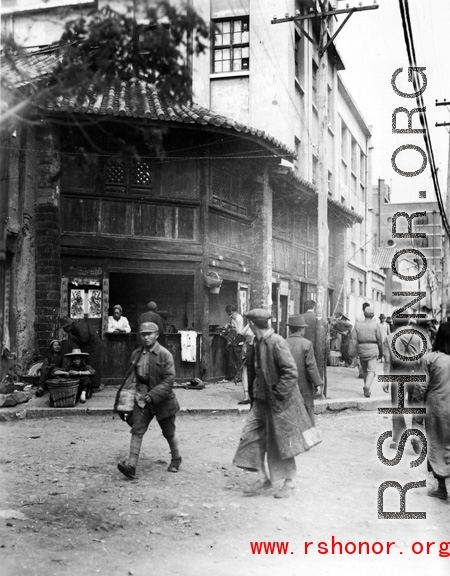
(311, 330)
(151, 317)
(308, 375)
(82, 334)
(159, 385)
(278, 373)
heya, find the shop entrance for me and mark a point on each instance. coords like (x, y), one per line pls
(174, 295)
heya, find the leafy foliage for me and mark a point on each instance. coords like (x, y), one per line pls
(155, 48)
(108, 45)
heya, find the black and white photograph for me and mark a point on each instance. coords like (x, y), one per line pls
(224, 287)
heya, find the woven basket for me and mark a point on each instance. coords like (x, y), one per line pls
(213, 282)
(63, 393)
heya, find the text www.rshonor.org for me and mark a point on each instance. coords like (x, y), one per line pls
(442, 549)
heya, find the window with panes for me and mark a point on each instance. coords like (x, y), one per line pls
(231, 49)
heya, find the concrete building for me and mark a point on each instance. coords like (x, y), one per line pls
(431, 246)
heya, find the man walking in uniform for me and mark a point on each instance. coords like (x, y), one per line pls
(367, 335)
(155, 373)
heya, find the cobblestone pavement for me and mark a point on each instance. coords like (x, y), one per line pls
(66, 510)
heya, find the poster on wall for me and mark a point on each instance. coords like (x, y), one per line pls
(77, 297)
(94, 301)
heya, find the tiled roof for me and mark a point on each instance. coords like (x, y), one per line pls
(382, 257)
(129, 99)
(27, 68)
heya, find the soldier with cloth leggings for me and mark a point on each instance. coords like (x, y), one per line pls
(155, 374)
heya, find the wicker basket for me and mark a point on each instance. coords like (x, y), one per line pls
(63, 393)
(213, 282)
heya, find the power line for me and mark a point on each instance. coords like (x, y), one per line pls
(409, 41)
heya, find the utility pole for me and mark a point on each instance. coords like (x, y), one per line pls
(324, 16)
(445, 240)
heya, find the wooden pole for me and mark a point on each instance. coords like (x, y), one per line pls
(322, 206)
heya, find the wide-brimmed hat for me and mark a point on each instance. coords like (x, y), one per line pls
(382, 317)
(148, 327)
(297, 321)
(258, 314)
(65, 321)
(77, 352)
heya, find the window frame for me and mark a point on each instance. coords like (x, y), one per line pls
(245, 27)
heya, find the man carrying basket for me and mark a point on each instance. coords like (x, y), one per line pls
(150, 379)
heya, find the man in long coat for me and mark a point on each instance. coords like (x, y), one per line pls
(278, 423)
(309, 380)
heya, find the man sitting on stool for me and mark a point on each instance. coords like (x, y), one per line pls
(74, 366)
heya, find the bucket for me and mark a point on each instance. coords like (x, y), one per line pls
(63, 392)
(213, 282)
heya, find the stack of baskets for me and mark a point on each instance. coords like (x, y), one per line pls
(63, 392)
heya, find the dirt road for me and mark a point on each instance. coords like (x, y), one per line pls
(66, 510)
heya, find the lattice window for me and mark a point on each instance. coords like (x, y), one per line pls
(228, 191)
(141, 173)
(126, 177)
(281, 218)
(115, 172)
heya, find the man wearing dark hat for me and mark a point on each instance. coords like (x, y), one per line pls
(274, 425)
(83, 336)
(152, 316)
(154, 371)
(74, 366)
(340, 329)
(367, 335)
(309, 380)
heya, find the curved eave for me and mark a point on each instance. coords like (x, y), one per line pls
(295, 185)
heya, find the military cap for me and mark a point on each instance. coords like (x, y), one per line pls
(148, 327)
(297, 321)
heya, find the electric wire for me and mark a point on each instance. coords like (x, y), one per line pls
(409, 41)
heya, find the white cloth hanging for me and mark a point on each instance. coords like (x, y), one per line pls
(188, 345)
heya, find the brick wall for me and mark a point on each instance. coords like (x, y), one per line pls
(47, 240)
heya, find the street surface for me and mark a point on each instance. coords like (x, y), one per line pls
(65, 509)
